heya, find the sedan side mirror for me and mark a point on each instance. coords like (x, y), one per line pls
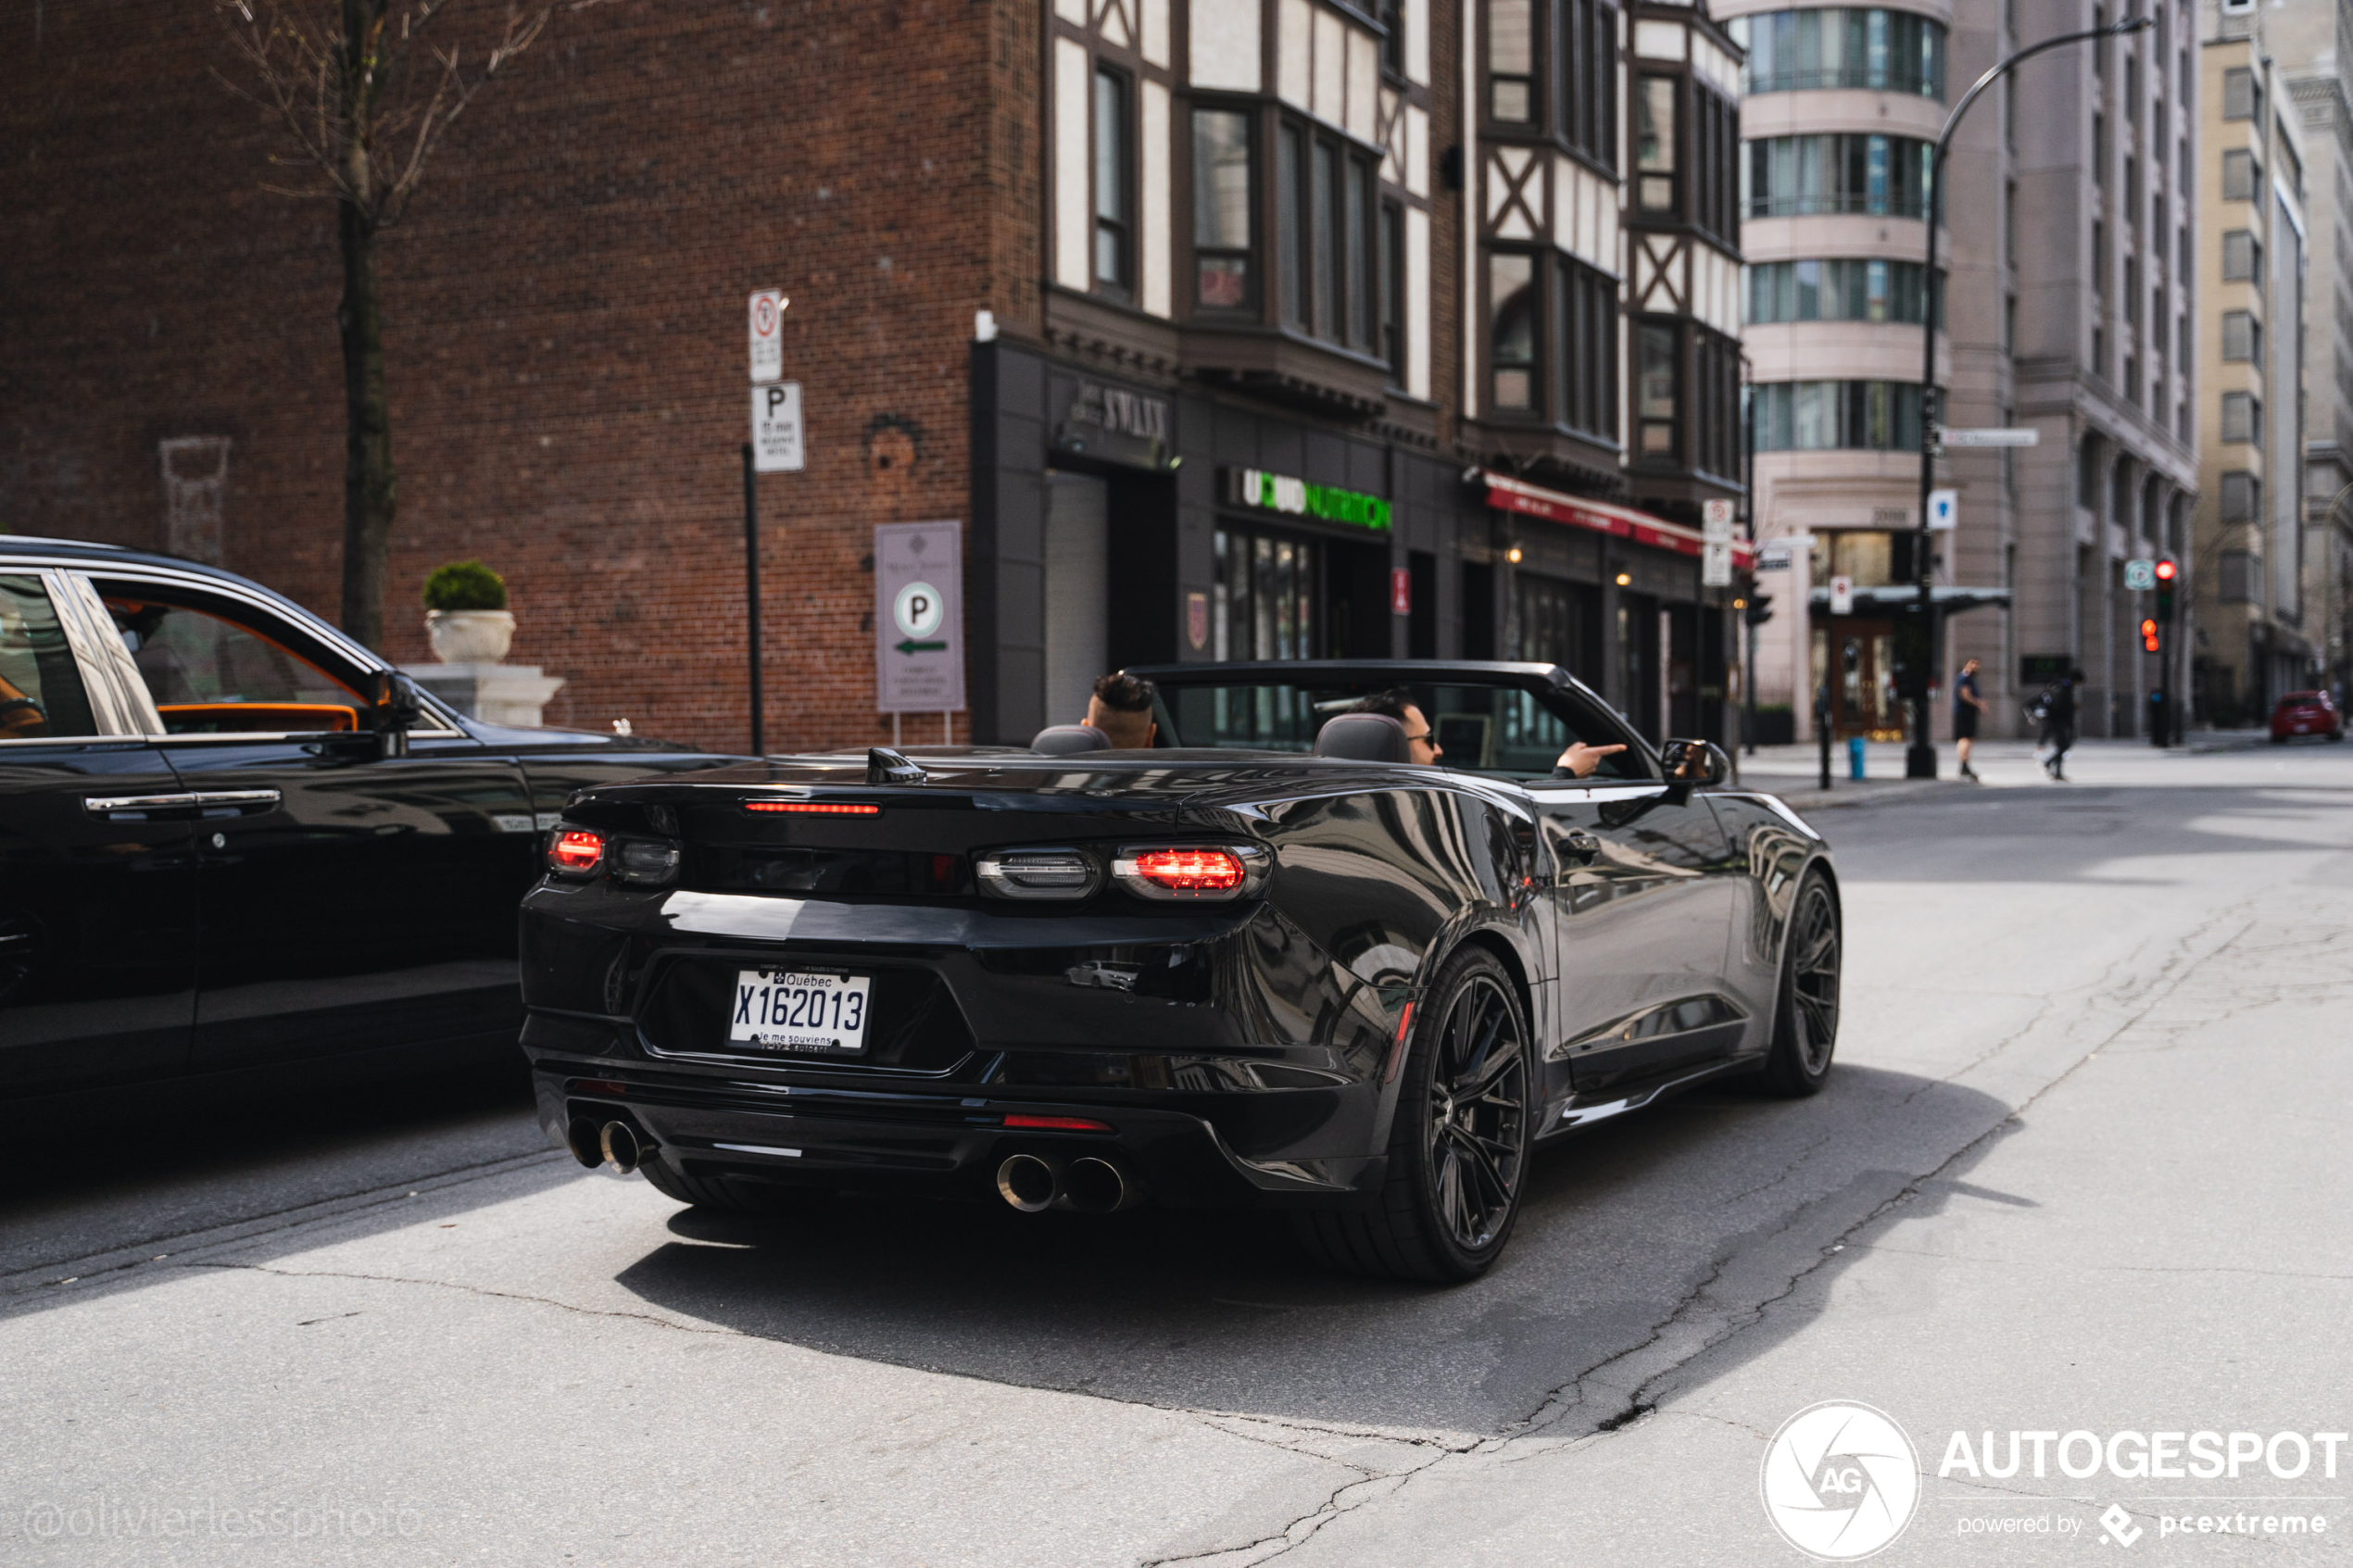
(397, 709)
(1697, 764)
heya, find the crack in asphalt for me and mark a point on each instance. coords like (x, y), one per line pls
(477, 1290)
(2100, 1268)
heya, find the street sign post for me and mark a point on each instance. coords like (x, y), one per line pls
(1716, 565)
(1944, 511)
(1716, 520)
(776, 444)
(1842, 595)
(767, 335)
(919, 617)
(2140, 576)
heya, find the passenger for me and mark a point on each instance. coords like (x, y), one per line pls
(1122, 709)
(1421, 744)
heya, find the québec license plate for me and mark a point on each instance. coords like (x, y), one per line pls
(799, 1011)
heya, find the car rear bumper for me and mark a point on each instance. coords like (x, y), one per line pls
(945, 1144)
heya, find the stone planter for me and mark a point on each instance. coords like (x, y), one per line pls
(469, 636)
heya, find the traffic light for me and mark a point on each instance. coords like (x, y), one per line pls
(1760, 610)
(2150, 635)
(2167, 573)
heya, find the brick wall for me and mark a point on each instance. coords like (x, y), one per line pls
(564, 323)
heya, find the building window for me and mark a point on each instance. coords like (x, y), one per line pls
(1587, 50)
(1828, 415)
(2087, 474)
(1325, 217)
(1715, 403)
(1656, 385)
(2236, 582)
(1586, 331)
(1391, 286)
(2242, 497)
(2290, 165)
(2241, 418)
(1113, 194)
(1511, 288)
(1848, 290)
(2241, 176)
(1511, 61)
(2242, 337)
(1393, 44)
(2242, 99)
(1714, 163)
(1267, 605)
(1883, 51)
(1800, 176)
(1655, 134)
(2241, 258)
(1222, 210)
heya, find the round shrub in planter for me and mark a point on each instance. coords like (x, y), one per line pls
(466, 614)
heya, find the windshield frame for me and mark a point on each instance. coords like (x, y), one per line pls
(1553, 689)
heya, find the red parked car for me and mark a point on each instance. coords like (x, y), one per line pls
(2305, 713)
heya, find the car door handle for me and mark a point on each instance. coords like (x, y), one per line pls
(212, 800)
(106, 805)
(1580, 848)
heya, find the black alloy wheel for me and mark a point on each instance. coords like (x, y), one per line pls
(1805, 1014)
(1458, 1144)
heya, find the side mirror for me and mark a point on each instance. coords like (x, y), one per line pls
(1697, 764)
(397, 709)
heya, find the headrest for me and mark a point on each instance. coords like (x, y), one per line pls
(1362, 737)
(1062, 740)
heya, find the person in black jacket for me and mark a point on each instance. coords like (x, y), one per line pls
(2058, 722)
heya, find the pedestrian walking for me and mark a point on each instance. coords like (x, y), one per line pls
(1966, 706)
(2055, 711)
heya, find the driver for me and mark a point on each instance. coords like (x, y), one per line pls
(1421, 745)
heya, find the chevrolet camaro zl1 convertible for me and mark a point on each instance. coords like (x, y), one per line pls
(1267, 962)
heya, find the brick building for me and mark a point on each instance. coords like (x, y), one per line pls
(1221, 326)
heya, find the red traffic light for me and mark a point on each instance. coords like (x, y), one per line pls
(2165, 570)
(2148, 635)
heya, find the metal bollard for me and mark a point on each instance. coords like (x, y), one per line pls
(1854, 757)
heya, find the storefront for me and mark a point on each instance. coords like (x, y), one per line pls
(1119, 523)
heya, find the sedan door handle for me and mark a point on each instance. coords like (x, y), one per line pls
(106, 805)
(211, 800)
(1580, 848)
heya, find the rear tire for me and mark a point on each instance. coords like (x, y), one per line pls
(1805, 1004)
(1458, 1143)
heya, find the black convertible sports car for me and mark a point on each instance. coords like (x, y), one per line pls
(1267, 962)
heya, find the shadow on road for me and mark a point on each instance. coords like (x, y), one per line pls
(1623, 1225)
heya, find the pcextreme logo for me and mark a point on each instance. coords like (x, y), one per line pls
(1840, 1480)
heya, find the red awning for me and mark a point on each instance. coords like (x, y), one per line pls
(1515, 495)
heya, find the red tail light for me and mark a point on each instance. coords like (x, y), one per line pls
(575, 850)
(1058, 1124)
(814, 808)
(1186, 870)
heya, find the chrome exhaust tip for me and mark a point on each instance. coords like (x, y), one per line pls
(587, 1142)
(1029, 1182)
(621, 1146)
(1098, 1185)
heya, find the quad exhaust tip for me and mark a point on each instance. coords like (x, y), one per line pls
(1093, 1184)
(1030, 1181)
(621, 1147)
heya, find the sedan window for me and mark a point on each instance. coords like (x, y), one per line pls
(41, 690)
(212, 675)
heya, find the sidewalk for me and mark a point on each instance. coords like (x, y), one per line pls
(1792, 773)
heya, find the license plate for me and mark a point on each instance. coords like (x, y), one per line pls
(801, 1012)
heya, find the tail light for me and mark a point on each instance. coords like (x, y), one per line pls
(1038, 873)
(1058, 1124)
(644, 860)
(575, 851)
(814, 808)
(1210, 872)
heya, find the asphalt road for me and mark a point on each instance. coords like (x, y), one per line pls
(2083, 1168)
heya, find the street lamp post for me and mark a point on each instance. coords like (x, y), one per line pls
(1919, 759)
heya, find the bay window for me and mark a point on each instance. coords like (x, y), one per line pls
(1222, 212)
(1551, 344)
(1114, 194)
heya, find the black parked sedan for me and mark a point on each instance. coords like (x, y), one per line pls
(232, 837)
(1268, 963)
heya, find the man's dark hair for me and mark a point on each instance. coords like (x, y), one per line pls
(1123, 693)
(1392, 702)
